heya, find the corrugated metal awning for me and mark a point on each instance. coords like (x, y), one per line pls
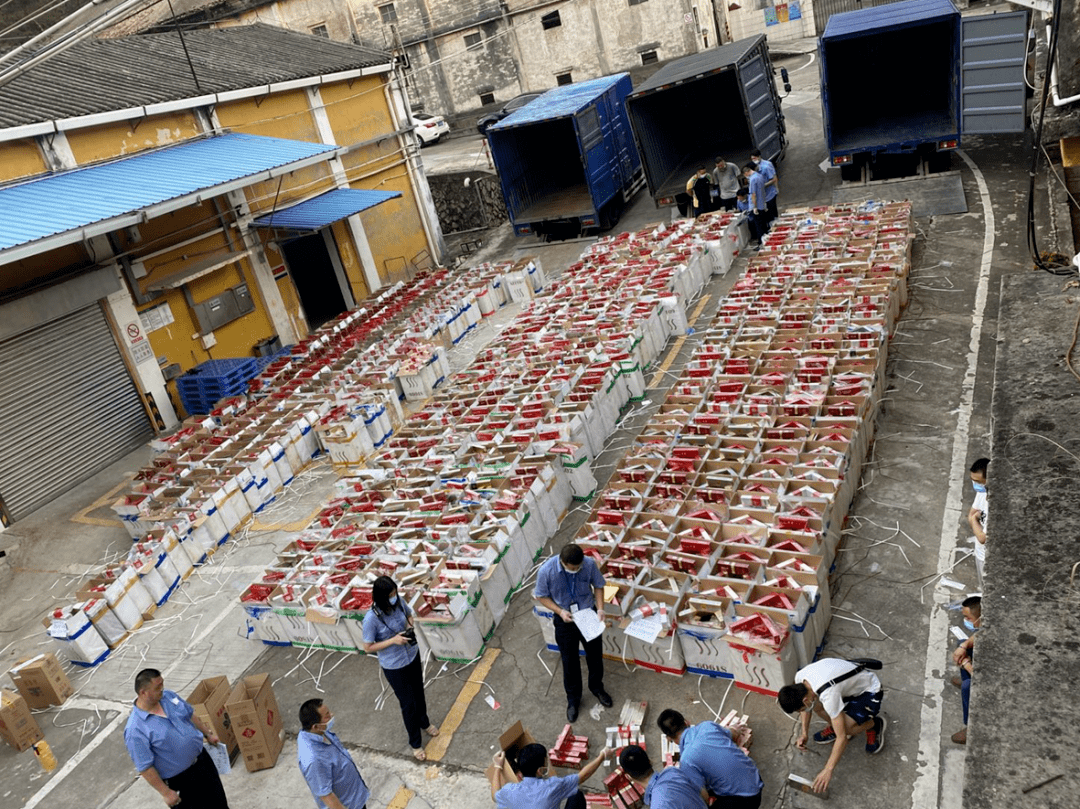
(324, 209)
(68, 207)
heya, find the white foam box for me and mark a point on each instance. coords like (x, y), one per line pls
(758, 667)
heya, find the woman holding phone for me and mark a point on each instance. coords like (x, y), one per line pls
(388, 632)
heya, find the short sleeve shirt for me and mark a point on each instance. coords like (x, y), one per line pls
(710, 758)
(672, 789)
(379, 626)
(757, 192)
(728, 180)
(552, 581)
(768, 171)
(537, 793)
(829, 668)
(327, 767)
(170, 744)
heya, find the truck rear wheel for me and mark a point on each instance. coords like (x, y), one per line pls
(851, 172)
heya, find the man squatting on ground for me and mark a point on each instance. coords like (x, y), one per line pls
(536, 790)
(843, 694)
(713, 762)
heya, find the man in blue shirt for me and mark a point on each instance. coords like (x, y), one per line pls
(668, 789)
(759, 215)
(330, 772)
(165, 741)
(713, 761)
(768, 171)
(565, 584)
(535, 790)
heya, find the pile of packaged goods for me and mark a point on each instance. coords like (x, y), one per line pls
(458, 504)
(718, 529)
(212, 475)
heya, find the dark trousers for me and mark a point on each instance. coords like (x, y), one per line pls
(727, 203)
(199, 785)
(568, 638)
(408, 685)
(772, 211)
(576, 801)
(736, 802)
(965, 692)
(759, 225)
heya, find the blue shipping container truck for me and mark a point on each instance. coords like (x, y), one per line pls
(721, 102)
(910, 78)
(566, 160)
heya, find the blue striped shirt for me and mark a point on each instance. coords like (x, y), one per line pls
(170, 744)
(537, 793)
(378, 627)
(568, 588)
(710, 758)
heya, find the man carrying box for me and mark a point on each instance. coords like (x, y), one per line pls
(165, 740)
(843, 693)
(535, 790)
(566, 584)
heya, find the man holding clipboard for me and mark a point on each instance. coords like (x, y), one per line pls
(568, 584)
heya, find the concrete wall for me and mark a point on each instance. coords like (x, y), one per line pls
(750, 20)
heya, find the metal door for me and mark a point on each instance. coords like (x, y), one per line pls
(598, 174)
(993, 48)
(68, 407)
(763, 116)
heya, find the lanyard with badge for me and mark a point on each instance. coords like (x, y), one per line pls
(570, 585)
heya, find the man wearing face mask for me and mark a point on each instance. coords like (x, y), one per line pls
(536, 789)
(978, 515)
(566, 584)
(971, 608)
(330, 772)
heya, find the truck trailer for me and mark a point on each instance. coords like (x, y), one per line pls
(903, 82)
(566, 160)
(721, 102)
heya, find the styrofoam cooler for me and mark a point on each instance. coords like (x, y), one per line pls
(123, 603)
(261, 624)
(497, 587)
(105, 621)
(77, 638)
(281, 463)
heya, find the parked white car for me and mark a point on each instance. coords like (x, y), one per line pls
(429, 128)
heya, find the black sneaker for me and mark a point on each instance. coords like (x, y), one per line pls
(875, 737)
(826, 735)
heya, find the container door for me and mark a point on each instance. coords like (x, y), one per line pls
(597, 155)
(69, 408)
(763, 114)
(993, 48)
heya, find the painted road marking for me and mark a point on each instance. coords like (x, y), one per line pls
(670, 358)
(101, 502)
(927, 787)
(401, 799)
(438, 746)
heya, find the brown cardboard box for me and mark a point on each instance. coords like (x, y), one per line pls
(511, 743)
(208, 699)
(17, 727)
(256, 722)
(41, 681)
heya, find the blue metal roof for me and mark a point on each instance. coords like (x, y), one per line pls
(324, 209)
(890, 15)
(569, 99)
(67, 207)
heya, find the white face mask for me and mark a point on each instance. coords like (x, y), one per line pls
(393, 600)
(571, 572)
(330, 724)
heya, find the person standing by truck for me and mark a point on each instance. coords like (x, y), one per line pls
(772, 189)
(699, 187)
(726, 179)
(759, 212)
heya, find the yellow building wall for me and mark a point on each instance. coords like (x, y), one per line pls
(20, 158)
(357, 114)
(127, 137)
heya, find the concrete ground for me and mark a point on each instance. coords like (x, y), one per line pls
(906, 529)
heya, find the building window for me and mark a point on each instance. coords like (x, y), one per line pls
(637, 2)
(649, 58)
(563, 78)
(388, 13)
(472, 42)
(320, 31)
(487, 98)
(552, 20)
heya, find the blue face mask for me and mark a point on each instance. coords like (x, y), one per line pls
(969, 625)
(330, 724)
(393, 600)
(979, 487)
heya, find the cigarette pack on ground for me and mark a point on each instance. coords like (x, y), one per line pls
(806, 785)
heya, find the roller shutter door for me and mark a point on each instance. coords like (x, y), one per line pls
(68, 407)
